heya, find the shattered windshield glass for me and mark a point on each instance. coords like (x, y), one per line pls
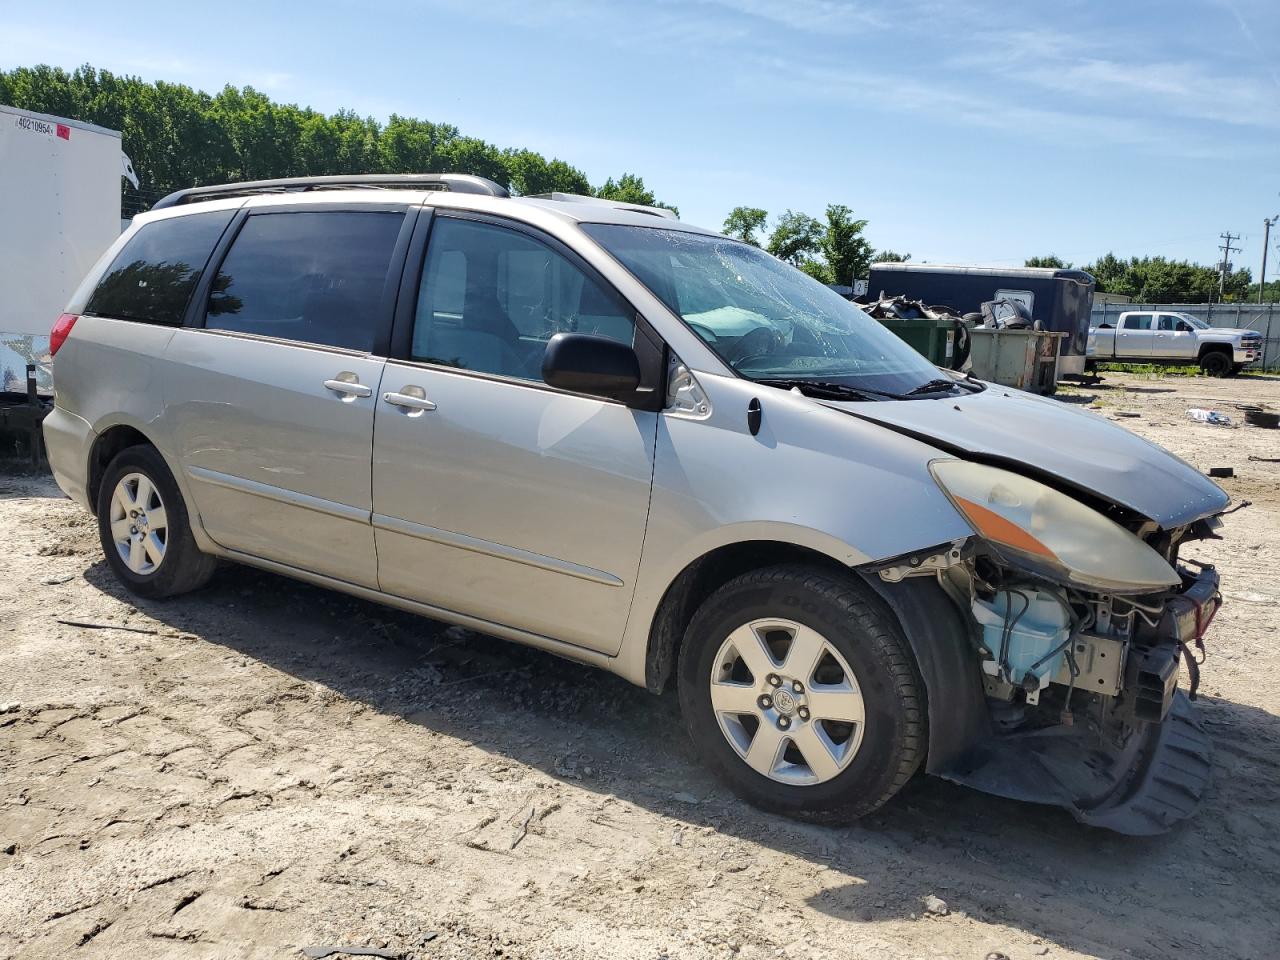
(763, 317)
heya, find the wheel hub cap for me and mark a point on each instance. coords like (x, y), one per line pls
(787, 702)
(139, 523)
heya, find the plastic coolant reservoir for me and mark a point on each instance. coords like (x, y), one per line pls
(1036, 630)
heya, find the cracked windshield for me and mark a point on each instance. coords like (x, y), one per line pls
(766, 320)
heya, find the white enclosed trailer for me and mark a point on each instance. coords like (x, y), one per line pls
(59, 210)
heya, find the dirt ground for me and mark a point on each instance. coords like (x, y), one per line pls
(264, 766)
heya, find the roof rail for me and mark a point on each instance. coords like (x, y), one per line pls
(455, 182)
(602, 202)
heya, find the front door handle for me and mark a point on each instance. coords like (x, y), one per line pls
(411, 398)
(349, 387)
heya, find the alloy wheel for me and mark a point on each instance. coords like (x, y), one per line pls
(139, 523)
(787, 702)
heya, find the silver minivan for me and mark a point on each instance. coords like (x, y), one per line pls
(591, 428)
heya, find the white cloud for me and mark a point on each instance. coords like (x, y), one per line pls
(950, 97)
(813, 16)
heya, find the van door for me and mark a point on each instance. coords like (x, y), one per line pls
(1134, 337)
(271, 398)
(495, 495)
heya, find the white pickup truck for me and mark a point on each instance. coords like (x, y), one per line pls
(1158, 336)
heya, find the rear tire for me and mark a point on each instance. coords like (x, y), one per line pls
(826, 652)
(1215, 363)
(145, 530)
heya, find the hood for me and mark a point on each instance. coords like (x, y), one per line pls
(1081, 449)
(1230, 331)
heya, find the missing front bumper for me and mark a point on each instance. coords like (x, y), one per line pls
(1152, 781)
(1143, 790)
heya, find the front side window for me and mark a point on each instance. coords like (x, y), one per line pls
(1138, 321)
(764, 318)
(315, 277)
(492, 297)
(152, 277)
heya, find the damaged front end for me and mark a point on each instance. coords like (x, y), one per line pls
(1065, 691)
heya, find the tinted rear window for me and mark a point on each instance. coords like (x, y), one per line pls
(315, 277)
(151, 279)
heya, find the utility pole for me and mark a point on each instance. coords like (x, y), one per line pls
(1266, 241)
(1225, 266)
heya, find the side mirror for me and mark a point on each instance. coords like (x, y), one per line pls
(1183, 327)
(593, 365)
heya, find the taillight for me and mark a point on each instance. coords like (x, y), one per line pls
(61, 330)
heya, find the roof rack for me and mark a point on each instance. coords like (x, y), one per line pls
(602, 202)
(454, 182)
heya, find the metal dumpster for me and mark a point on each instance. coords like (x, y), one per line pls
(935, 339)
(1025, 359)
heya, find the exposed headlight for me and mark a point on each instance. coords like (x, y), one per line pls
(1051, 531)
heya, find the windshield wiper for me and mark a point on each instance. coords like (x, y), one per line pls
(933, 386)
(828, 390)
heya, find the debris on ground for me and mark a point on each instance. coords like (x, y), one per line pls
(1221, 471)
(936, 906)
(1211, 417)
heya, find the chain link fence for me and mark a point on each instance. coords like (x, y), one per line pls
(1263, 317)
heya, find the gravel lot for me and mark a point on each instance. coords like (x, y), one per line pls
(264, 766)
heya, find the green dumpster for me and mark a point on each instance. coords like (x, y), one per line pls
(935, 339)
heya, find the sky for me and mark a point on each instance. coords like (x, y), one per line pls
(965, 132)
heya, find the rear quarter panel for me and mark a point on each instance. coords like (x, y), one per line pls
(108, 373)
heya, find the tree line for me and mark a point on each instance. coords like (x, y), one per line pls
(178, 137)
(1160, 280)
(833, 249)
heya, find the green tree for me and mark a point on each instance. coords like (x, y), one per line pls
(630, 188)
(843, 247)
(1160, 280)
(179, 137)
(1111, 274)
(795, 238)
(890, 256)
(533, 173)
(1052, 260)
(744, 222)
(1270, 292)
(817, 269)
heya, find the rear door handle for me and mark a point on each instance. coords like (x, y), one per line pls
(349, 387)
(409, 400)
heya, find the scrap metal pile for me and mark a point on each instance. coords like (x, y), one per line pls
(904, 308)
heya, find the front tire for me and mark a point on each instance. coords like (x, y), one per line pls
(144, 527)
(801, 693)
(1215, 364)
